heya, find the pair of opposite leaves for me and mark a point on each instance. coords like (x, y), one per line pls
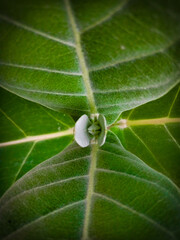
(90, 130)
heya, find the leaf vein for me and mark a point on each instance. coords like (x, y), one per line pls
(81, 57)
(30, 29)
(107, 17)
(37, 138)
(158, 186)
(40, 69)
(141, 215)
(19, 128)
(45, 92)
(174, 100)
(10, 236)
(24, 160)
(60, 164)
(131, 59)
(153, 156)
(36, 189)
(169, 133)
(134, 89)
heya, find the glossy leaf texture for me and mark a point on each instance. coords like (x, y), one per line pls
(114, 55)
(29, 135)
(152, 133)
(73, 196)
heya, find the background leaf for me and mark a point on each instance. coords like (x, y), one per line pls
(153, 134)
(29, 135)
(60, 199)
(114, 55)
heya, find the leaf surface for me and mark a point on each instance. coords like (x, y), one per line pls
(29, 135)
(83, 57)
(73, 196)
(114, 55)
(152, 133)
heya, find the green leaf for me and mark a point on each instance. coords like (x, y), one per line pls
(29, 135)
(73, 196)
(152, 132)
(89, 56)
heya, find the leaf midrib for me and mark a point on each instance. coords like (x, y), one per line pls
(81, 57)
(153, 121)
(90, 192)
(93, 109)
(38, 138)
(92, 105)
(125, 123)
